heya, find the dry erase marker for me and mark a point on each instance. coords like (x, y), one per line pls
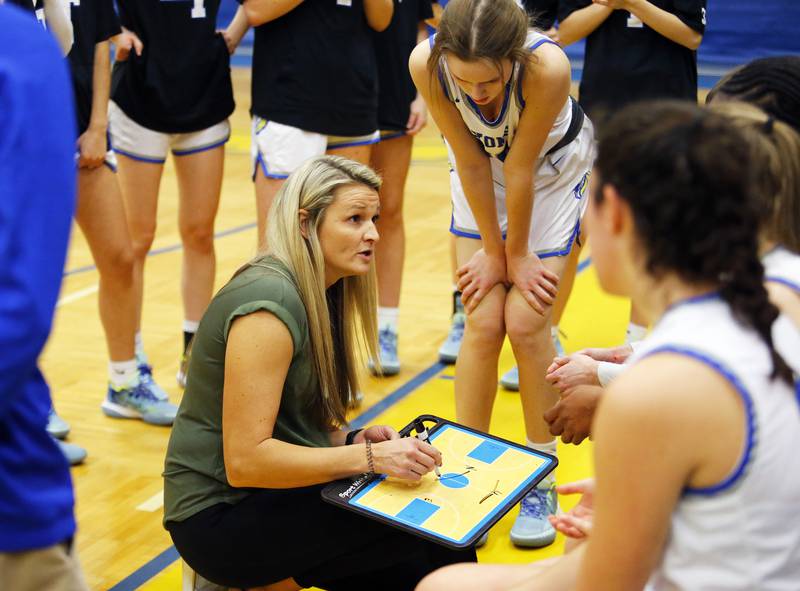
(422, 435)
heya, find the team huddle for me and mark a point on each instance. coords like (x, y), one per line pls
(692, 212)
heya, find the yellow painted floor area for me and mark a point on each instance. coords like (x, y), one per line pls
(119, 487)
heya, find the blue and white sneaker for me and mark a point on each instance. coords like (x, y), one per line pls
(532, 529)
(56, 426)
(387, 351)
(139, 402)
(75, 454)
(510, 379)
(146, 378)
(448, 352)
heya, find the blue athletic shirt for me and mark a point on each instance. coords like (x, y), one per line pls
(37, 199)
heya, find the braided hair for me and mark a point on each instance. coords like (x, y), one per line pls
(772, 83)
(685, 173)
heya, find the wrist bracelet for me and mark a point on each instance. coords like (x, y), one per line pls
(370, 463)
(348, 440)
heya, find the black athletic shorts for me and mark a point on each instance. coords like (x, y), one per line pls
(275, 534)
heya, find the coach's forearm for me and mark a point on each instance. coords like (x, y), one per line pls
(665, 23)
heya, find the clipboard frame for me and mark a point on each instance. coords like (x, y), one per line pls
(342, 492)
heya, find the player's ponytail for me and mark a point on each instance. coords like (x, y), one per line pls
(686, 174)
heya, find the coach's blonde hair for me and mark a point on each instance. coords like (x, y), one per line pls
(776, 156)
(342, 319)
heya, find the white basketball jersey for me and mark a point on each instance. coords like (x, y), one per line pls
(743, 533)
(497, 136)
(782, 266)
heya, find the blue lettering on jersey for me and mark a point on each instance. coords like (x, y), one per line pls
(490, 142)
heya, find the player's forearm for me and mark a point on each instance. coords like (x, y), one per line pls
(277, 464)
(259, 12)
(665, 23)
(519, 204)
(378, 13)
(479, 191)
(582, 23)
(57, 16)
(101, 86)
(238, 26)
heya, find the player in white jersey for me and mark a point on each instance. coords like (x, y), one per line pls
(695, 444)
(522, 151)
(776, 147)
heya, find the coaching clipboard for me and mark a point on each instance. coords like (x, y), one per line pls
(483, 477)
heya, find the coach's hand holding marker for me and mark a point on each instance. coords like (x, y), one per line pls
(422, 434)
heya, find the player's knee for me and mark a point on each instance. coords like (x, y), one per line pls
(487, 324)
(117, 265)
(142, 241)
(525, 326)
(198, 237)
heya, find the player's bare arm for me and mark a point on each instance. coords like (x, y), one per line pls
(661, 21)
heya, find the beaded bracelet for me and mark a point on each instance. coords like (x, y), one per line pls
(370, 463)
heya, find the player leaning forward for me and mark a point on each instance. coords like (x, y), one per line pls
(522, 149)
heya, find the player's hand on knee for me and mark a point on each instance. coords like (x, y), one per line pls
(537, 284)
(478, 276)
(407, 458)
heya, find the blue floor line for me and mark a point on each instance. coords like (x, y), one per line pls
(148, 571)
(165, 249)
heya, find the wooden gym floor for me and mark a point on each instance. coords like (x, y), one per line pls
(121, 543)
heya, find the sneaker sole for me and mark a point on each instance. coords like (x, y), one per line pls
(510, 386)
(117, 411)
(447, 359)
(538, 542)
(386, 371)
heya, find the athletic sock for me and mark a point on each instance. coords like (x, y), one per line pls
(549, 448)
(189, 330)
(138, 348)
(123, 374)
(635, 333)
(387, 318)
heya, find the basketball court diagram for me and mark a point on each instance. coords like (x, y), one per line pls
(480, 477)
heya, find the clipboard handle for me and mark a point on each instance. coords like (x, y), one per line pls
(408, 429)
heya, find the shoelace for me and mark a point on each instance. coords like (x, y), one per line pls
(538, 504)
(387, 340)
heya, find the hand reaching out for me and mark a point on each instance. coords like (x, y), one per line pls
(571, 371)
(577, 522)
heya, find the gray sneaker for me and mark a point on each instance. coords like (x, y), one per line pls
(532, 529)
(75, 454)
(448, 352)
(510, 379)
(56, 426)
